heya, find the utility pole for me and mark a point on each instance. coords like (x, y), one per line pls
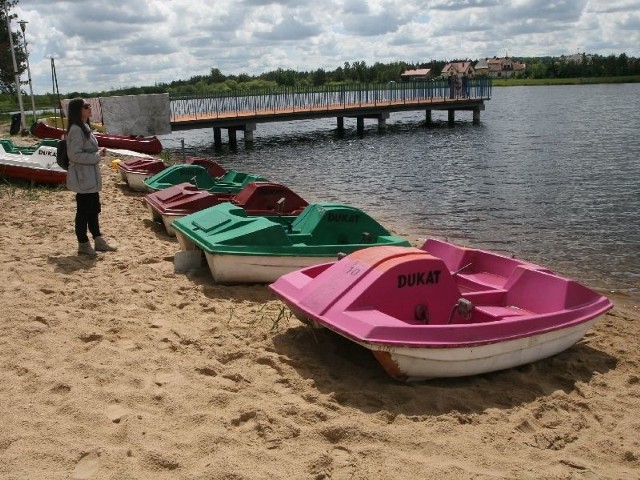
(23, 24)
(15, 68)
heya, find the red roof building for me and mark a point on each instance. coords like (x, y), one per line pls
(417, 75)
(458, 69)
(499, 67)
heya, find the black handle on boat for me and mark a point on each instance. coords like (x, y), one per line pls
(421, 313)
(464, 308)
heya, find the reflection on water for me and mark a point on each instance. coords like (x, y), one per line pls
(551, 175)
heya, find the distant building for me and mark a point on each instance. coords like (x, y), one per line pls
(576, 58)
(495, 67)
(458, 69)
(418, 75)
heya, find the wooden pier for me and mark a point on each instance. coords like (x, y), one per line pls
(244, 112)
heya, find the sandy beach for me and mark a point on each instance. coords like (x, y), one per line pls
(120, 368)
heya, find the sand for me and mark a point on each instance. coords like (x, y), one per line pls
(120, 368)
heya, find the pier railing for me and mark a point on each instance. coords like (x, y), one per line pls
(329, 98)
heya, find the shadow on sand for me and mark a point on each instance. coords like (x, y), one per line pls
(72, 263)
(352, 376)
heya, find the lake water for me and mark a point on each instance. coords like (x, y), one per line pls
(551, 175)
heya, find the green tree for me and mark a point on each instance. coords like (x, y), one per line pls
(347, 72)
(244, 78)
(216, 76)
(7, 76)
(622, 67)
(538, 70)
(360, 71)
(319, 77)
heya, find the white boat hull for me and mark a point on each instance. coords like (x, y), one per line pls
(136, 181)
(226, 268)
(155, 215)
(167, 220)
(185, 243)
(43, 158)
(39, 167)
(255, 268)
(425, 363)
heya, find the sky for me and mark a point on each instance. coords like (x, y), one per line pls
(101, 46)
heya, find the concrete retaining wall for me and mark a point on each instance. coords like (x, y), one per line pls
(137, 114)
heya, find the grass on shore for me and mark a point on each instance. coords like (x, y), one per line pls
(518, 82)
(12, 188)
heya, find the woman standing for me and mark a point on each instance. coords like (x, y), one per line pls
(83, 177)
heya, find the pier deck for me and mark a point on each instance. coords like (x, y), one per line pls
(245, 112)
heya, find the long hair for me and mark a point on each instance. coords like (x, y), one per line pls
(74, 116)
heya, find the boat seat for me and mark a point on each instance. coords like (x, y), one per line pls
(299, 237)
(239, 177)
(488, 313)
(486, 297)
(543, 292)
(480, 281)
(474, 270)
(333, 224)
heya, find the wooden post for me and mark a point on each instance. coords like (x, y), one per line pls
(232, 135)
(360, 124)
(452, 116)
(428, 117)
(340, 124)
(217, 136)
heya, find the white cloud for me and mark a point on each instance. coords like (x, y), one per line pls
(100, 46)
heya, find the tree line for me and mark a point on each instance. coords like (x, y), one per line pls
(217, 82)
(349, 72)
(584, 66)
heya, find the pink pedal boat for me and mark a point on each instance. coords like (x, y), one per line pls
(257, 199)
(443, 310)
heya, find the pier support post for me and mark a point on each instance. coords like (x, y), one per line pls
(476, 115)
(452, 116)
(382, 120)
(428, 118)
(232, 136)
(360, 124)
(340, 122)
(217, 136)
(249, 128)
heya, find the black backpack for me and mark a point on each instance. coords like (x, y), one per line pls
(61, 155)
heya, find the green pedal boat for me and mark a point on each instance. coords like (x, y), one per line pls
(231, 182)
(243, 249)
